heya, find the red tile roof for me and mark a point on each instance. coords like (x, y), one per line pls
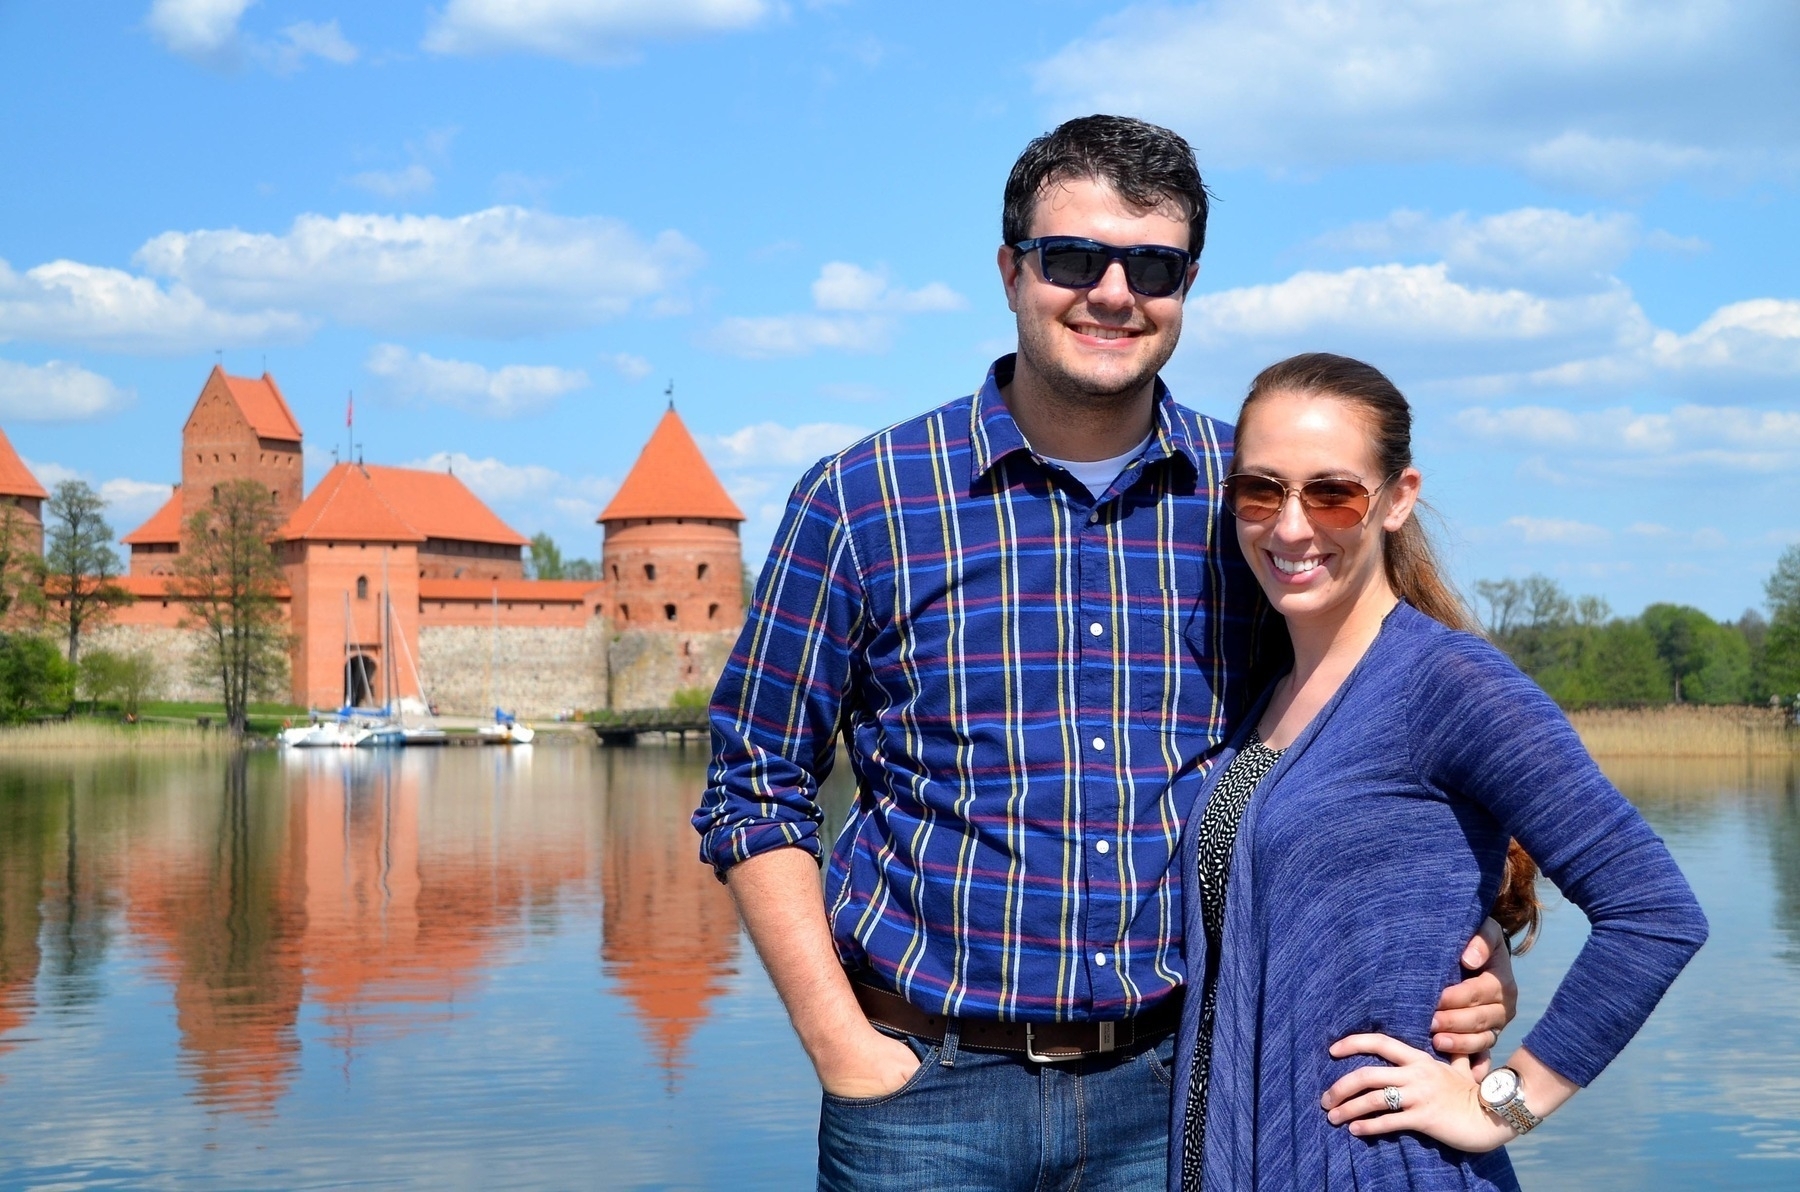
(370, 503)
(164, 525)
(263, 406)
(671, 479)
(16, 479)
(562, 591)
(346, 506)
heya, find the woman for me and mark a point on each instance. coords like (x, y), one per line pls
(1356, 832)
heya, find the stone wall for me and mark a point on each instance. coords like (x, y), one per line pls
(174, 650)
(648, 667)
(536, 671)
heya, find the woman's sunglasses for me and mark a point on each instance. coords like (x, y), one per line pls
(1328, 504)
(1077, 263)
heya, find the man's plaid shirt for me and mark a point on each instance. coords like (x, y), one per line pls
(1033, 682)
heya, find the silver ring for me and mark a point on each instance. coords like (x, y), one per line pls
(1392, 1096)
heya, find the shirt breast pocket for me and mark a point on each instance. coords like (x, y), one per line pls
(1170, 688)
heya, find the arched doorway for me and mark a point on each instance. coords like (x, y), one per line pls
(359, 681)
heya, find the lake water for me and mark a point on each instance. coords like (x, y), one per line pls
(487, 969)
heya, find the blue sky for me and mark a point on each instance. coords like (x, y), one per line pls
(1567, 229)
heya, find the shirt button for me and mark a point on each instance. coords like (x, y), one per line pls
(1100, 959)
(1100, 744)
(1102, 846)
(1095, 629)
(1093, 517)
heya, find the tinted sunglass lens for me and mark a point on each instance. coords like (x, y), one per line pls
(1335, 504)
(1155, 276)
(1253, 499)
(1074, 266)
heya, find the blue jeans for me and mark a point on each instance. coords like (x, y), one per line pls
(982, 1120)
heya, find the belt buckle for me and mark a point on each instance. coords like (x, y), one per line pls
(1107, 1035)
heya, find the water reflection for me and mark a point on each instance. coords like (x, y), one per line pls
(372, 893)
(670, 932)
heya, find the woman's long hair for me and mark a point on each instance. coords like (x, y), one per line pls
(1407, 556)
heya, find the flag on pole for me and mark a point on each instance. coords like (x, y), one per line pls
(350, 410)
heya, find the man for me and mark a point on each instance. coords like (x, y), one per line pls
(1026, 613)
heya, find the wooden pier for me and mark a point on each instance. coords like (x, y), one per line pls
(622, 728)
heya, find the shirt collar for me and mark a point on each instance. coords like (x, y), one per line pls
(993, 435)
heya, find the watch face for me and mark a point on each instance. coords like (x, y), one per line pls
(1500, 1086)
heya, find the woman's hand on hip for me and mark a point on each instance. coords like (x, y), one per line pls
(1472, 1013)
(1438, 1099)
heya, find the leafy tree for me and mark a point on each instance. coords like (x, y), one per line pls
(1781, 648)
(547, 561)
(21, 563)
(35, 679)
(546, 557)
(229, 579)
(79, 562)
(125, 678)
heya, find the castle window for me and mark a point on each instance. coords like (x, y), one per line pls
(624, 612)
(615, 573)
(215, 492)
(199, 457)
(362, 587)
(702, 572)
(215, 457)
(669, 612)
(649, 570)
(712, 611)
(275, 495)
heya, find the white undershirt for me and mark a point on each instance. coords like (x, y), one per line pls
(1098, 474)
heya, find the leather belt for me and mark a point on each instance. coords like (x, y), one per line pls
(1040, 1042)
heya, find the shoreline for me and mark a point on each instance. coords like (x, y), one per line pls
(1687, 730)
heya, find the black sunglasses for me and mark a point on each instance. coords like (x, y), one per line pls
(1077, 263)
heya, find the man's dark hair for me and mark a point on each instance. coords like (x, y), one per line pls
(1147, 164)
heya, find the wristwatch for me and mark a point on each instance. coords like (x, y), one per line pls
(1500, 1094)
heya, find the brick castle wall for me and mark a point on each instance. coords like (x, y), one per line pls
(530, 670)
(648, 668)
(172, 647)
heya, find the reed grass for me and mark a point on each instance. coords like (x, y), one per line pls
(1683, 730)
(99, 736)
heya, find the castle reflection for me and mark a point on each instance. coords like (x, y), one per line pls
(332, 900)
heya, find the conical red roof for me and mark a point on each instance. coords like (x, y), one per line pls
(16, 479)
(671, 479)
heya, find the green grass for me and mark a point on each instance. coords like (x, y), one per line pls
(265, 719)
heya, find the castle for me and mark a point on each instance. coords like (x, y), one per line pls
(402, 583)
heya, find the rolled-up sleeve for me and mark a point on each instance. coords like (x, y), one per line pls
(775, 713)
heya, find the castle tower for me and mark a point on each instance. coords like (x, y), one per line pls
(20, 489)
(672, 554)
(238, 429)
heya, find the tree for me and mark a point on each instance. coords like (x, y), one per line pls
(1781, 648)
(79, 562)
(126, 678)
(546, 558)
(35, 680)
(547, 561)
(21, 566)
(229, 579)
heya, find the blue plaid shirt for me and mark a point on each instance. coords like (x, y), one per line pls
(1033, 682)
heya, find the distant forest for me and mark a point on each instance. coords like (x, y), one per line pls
(1585, 657)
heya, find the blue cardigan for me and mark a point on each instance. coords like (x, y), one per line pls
(1365, 861)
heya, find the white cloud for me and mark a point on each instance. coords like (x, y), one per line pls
(1758, 336)
(206, 32)
(531, 494)
(501, 271)
(110, 309)
(1542, 248)
(502, 392)
(56, 391)
(1443, 324)
(128, 502)
(595, 31)
(770, 336)
(1622, 440)
(770, 444)
(861, 308)
(201, 30)
(632, 368)
(842, 286)
(414, 179)
(1608, 97)
(1556, 531)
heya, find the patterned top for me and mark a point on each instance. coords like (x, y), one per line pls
(1218, 835)
(1032, 680)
